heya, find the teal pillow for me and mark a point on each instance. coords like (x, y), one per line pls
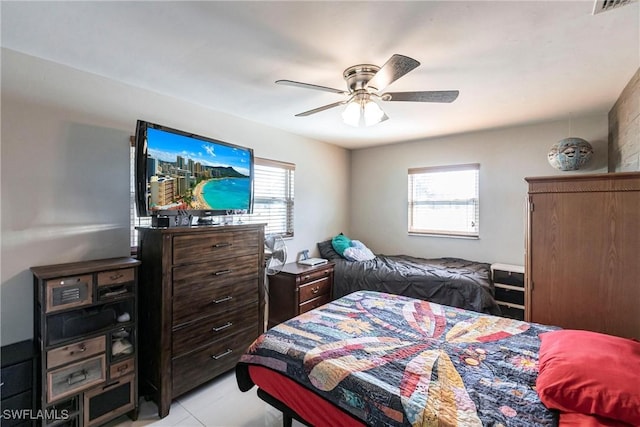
(340, 243)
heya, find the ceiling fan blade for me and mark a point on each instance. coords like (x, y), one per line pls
(396, 67)
(427, 96)
(310, 86)
(317, 110)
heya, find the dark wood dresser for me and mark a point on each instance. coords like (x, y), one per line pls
(297, 289)
(582, 263)
(201, 304)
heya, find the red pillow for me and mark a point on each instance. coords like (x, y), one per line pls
(590, 373)
(572, 419)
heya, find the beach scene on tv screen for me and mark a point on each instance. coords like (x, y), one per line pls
(189, 173)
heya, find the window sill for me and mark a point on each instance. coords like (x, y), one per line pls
(450, 236)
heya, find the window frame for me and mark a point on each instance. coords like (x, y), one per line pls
(288, 198)
(472, 232)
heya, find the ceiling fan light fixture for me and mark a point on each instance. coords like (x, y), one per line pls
(372, 113)
(363, 112)
(352, 114)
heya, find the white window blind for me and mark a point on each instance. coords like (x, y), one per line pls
(273, 196)
(444, 200)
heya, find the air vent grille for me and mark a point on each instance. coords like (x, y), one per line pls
(605, 5)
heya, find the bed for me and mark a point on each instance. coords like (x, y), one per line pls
(449, 281)
(372, 358)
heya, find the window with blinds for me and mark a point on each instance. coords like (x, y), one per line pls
(444, 200)
(273, 186)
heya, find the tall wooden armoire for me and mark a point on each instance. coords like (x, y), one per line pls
(583, 252)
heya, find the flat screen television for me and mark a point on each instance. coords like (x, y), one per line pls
(180, 173)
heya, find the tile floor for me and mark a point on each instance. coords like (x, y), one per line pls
(217, 404)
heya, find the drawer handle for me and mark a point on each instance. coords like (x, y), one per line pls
(222, 272)
(77, 377)
(123, 367)
(218, 301)
(307, 277)
(216, 357)
(116, 276)
(220, 328)
(315, 290)
(1, 384)
(82, 349)
(110, 385)
(222, 245)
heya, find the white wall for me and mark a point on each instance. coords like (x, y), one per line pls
(65, 172)
(506, 156)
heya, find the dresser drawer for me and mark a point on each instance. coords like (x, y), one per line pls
(202, 365)
(214, 246)
(315, 289)
(229, 296)
(212, 328)
(74, 378)
(16, 378)
(315, 275)
(202, 277)
(314, 303)
(70, 353)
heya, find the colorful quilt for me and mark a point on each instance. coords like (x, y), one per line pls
(397, 361)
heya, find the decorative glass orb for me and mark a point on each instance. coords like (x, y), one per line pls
(570, 154)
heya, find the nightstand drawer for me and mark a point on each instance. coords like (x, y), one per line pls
(315, 275)
(315, 289)
(509, 295)
(508, 278)
(511, 312)
(314, 303)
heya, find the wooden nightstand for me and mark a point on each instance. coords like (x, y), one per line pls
(297, 289)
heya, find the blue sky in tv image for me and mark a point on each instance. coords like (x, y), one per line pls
(168, 146)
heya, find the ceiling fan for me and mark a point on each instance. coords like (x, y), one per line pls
(365, 82)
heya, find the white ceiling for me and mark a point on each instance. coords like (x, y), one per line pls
(513, 62)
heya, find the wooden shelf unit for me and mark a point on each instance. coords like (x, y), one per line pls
(85, 332)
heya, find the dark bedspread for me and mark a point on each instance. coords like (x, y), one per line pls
(449, 281)
(395, 361)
